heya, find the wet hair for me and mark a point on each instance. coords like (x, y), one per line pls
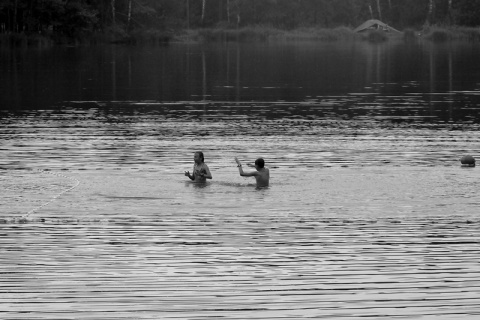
(260, 163)
(200, 153)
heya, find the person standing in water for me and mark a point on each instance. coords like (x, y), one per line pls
(200, 170)
(262, 175)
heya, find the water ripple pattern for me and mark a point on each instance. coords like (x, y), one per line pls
(237, 267)
(76, 183)
(369, 214)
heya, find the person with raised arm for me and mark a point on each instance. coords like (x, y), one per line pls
(262, 175)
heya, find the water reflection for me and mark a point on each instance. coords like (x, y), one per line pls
(367, 196)
(235, 72)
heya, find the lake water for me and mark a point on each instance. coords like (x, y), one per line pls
(369, 213)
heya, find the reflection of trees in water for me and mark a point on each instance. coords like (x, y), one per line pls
(243, 73)
(437, 67)
(432, 80)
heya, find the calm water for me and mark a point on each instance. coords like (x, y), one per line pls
(369, 214)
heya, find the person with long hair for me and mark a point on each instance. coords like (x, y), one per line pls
(201, 172)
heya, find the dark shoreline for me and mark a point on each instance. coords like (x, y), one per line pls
(246, 34)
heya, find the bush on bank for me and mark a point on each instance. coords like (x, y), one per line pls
(442, 34)
(245, 34)
(263, 34)
(22, 40)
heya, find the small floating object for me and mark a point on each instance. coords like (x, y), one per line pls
(467, 161)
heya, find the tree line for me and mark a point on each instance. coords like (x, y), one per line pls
(74, 18)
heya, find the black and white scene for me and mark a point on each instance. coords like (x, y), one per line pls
(239, 159)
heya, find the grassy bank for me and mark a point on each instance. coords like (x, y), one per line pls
(263, 34)
(22, 40)
(107, 36)
(442, 34)
(246, 34)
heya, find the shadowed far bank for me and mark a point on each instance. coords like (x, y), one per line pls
(245, 34)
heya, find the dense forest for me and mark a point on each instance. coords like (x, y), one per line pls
(82, 18)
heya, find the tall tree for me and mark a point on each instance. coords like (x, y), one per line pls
(188, 13)
(228, 11)
(129, 14)
(431, 6)
(113, 14)
(15, 24)
(449, 12)
(379, 10)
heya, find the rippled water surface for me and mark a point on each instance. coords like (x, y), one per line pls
(369, 213)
